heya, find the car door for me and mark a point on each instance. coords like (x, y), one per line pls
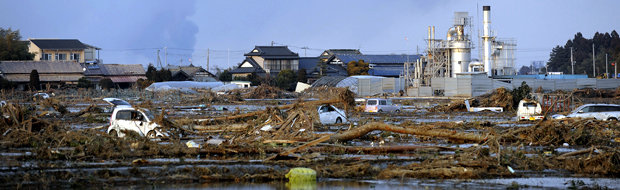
(383, 105)
(586, 112)
(138, 120)
(123, 121)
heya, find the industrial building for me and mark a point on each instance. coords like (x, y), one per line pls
(448, 69)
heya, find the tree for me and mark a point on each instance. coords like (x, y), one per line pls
(106, 83)
(84, 83)
(151, 72)
(301, 76)
(35, 83)
(225, 76)
(525, 70)
(11, 46)
(6, 84)
(520, 93)
(142, 84)
(357, 68)
(604, 43)
(286, 79)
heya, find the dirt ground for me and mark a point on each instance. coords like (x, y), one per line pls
(61, 141)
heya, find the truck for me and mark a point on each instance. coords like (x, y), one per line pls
(529, 110)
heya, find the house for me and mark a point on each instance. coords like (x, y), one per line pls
(62, 50)
(247, 67)
(122, 75)
(330, 52)
(56, 74)
(380, 65)
(315, 69)
(271, 59)
(191, 73)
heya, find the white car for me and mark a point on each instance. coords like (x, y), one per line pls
(132, 119)
(605, 112)
(329, 114)
(529, 110)
(381, 105)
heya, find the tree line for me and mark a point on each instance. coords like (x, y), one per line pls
(604, 43)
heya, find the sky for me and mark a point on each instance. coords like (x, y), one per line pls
(132, 31)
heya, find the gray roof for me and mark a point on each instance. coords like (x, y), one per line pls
(254, 69)
(58, 44)
(377, 59)
(25, 67)
(308, 63)
(331, 52)
(122, 69)
(273, 52)
(328, 81)
(190, 70)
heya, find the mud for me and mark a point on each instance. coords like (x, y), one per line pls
(72, 149)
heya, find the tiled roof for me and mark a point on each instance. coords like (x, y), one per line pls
(273, 52)
(308, 63)
(378, 59)
(15, 67)
(254, 69)
(122, 69)
(328, 81)
(58, 43)
(340, 51)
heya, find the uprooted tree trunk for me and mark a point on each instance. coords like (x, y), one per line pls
(442, 133)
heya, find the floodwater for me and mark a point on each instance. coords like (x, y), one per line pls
(521, 183)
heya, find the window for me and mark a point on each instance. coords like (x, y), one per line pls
(75, 56)
(529, 105)
(372, 102)
(61, 56)
(123, 115)
(46, 56)
(382, 102)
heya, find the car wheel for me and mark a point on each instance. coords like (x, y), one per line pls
(338, 120)
(151, 134)
(397, 111)
(380, 111)
(113, 133)
(612, 119)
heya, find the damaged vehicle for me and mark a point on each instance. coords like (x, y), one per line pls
(604, 112)
(529, 110)
(329, 114)
(131, 119)
(381, 105)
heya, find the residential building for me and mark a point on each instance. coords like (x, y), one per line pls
(380, 65)
(122, 75)
(315, 69)
(62, 50)
(330, 52)
(56, 74)
(247, 67)
(191, 73)
(270, 59)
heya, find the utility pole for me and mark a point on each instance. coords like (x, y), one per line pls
(166, 55)
(305, 48)
(228, 57)
(208, 59)
(271, 43)
(158, 59)
(606, 71)
(572, 63)
(593, 62)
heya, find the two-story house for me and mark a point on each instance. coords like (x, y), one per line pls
(62, 50)
(270, 59)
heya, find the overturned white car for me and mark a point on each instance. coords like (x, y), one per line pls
(127, 118)
(329, 114)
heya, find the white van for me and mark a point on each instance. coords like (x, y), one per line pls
(380, 105)
(529, 110)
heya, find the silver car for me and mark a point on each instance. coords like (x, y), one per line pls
(604, 112)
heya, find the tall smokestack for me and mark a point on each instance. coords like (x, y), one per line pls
(486, 12)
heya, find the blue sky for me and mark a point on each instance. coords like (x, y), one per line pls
(131, 31)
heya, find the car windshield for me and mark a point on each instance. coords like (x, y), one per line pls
(119, 103)
(149, 115)
(529, 105)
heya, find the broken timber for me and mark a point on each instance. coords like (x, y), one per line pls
(442, 133)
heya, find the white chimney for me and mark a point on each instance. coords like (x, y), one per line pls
(486, 12)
